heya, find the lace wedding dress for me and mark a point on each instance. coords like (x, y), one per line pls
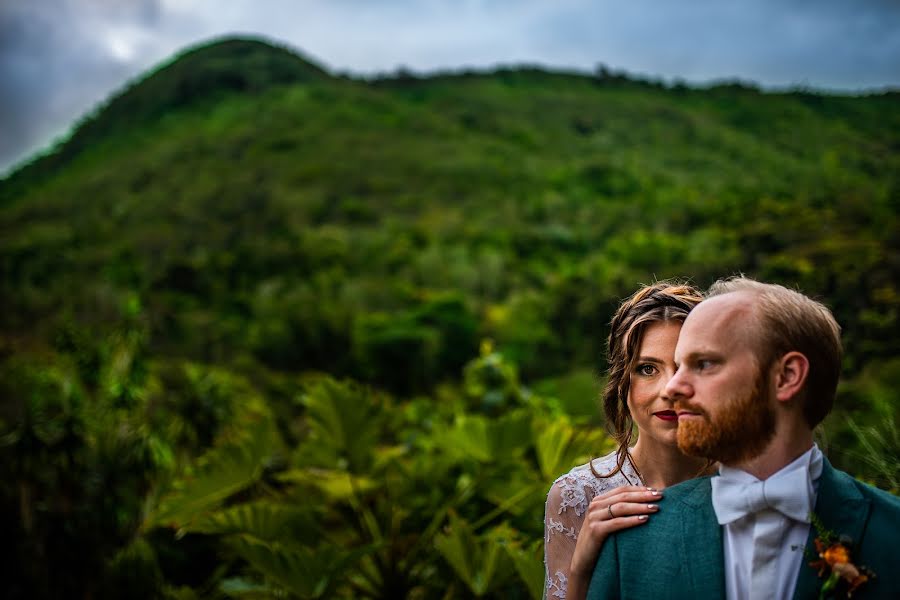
(567, 502)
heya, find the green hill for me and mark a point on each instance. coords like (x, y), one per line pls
(264, 207)
(200, 75)
(240, 221)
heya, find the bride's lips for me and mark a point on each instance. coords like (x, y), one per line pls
(666, 415)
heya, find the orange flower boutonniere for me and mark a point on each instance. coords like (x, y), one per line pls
(834, 564)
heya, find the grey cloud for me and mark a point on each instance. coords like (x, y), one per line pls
(826, 44)
(55, 65)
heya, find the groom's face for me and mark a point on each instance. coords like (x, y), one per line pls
(724, 399)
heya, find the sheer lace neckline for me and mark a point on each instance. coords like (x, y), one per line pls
(609, 462)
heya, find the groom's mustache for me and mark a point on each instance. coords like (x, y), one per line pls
(687, 407)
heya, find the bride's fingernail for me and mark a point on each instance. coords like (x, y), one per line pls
(652, 506)
(650, 489)
(642, 517)
(654, 493)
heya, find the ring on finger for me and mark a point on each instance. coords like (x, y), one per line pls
(609, 510)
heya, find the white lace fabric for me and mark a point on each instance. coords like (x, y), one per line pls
(567, 503)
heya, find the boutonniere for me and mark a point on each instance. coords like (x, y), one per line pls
(834, 563)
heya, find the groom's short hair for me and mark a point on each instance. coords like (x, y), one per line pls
(790, 321)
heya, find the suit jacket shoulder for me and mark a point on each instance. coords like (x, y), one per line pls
(884, 503)
(676, 554)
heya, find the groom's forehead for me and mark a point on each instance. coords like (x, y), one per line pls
(727, 318)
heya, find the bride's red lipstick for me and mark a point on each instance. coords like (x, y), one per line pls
(666, 415)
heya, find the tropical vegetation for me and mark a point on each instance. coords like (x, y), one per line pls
(271, 331)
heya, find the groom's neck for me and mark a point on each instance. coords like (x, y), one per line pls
(789, 442)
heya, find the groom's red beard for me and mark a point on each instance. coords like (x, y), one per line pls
(741, 429)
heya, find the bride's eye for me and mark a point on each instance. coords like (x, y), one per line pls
(646, 369)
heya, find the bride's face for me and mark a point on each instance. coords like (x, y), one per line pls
(650, 408)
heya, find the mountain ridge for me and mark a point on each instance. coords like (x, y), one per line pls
(502, 189)
(200, 72)
(251, 64)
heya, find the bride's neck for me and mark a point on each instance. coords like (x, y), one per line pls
(662, 466)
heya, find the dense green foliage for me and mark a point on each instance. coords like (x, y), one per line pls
(245, 305)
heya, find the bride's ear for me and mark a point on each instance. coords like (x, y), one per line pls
(791, 372)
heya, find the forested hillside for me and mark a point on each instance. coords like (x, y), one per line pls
(270, 330)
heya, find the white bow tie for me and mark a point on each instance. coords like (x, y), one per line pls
(789, 491)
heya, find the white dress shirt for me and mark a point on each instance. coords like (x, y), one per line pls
(763, 547)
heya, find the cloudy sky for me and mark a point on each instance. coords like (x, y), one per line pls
(59, 58)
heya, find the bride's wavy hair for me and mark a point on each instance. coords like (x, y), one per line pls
(668, 300)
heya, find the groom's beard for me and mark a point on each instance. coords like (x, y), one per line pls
(739, 431)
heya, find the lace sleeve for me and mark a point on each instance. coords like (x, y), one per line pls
(563, 515)
(567, 503)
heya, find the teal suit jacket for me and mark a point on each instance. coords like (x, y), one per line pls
(678, 553)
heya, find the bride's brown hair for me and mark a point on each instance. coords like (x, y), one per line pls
(663, 301)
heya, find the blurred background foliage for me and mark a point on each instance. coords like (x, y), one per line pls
(269, 332)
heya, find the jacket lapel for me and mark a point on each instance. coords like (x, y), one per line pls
(841, 509)
(701, 545)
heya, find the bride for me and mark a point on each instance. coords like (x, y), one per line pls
(622, 489)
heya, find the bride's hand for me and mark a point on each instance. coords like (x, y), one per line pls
(617, 509)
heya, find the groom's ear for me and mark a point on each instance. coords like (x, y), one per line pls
(791, 372)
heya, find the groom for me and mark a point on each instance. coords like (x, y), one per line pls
(758, 367)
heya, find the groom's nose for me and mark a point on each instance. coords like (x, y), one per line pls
(678, 387)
